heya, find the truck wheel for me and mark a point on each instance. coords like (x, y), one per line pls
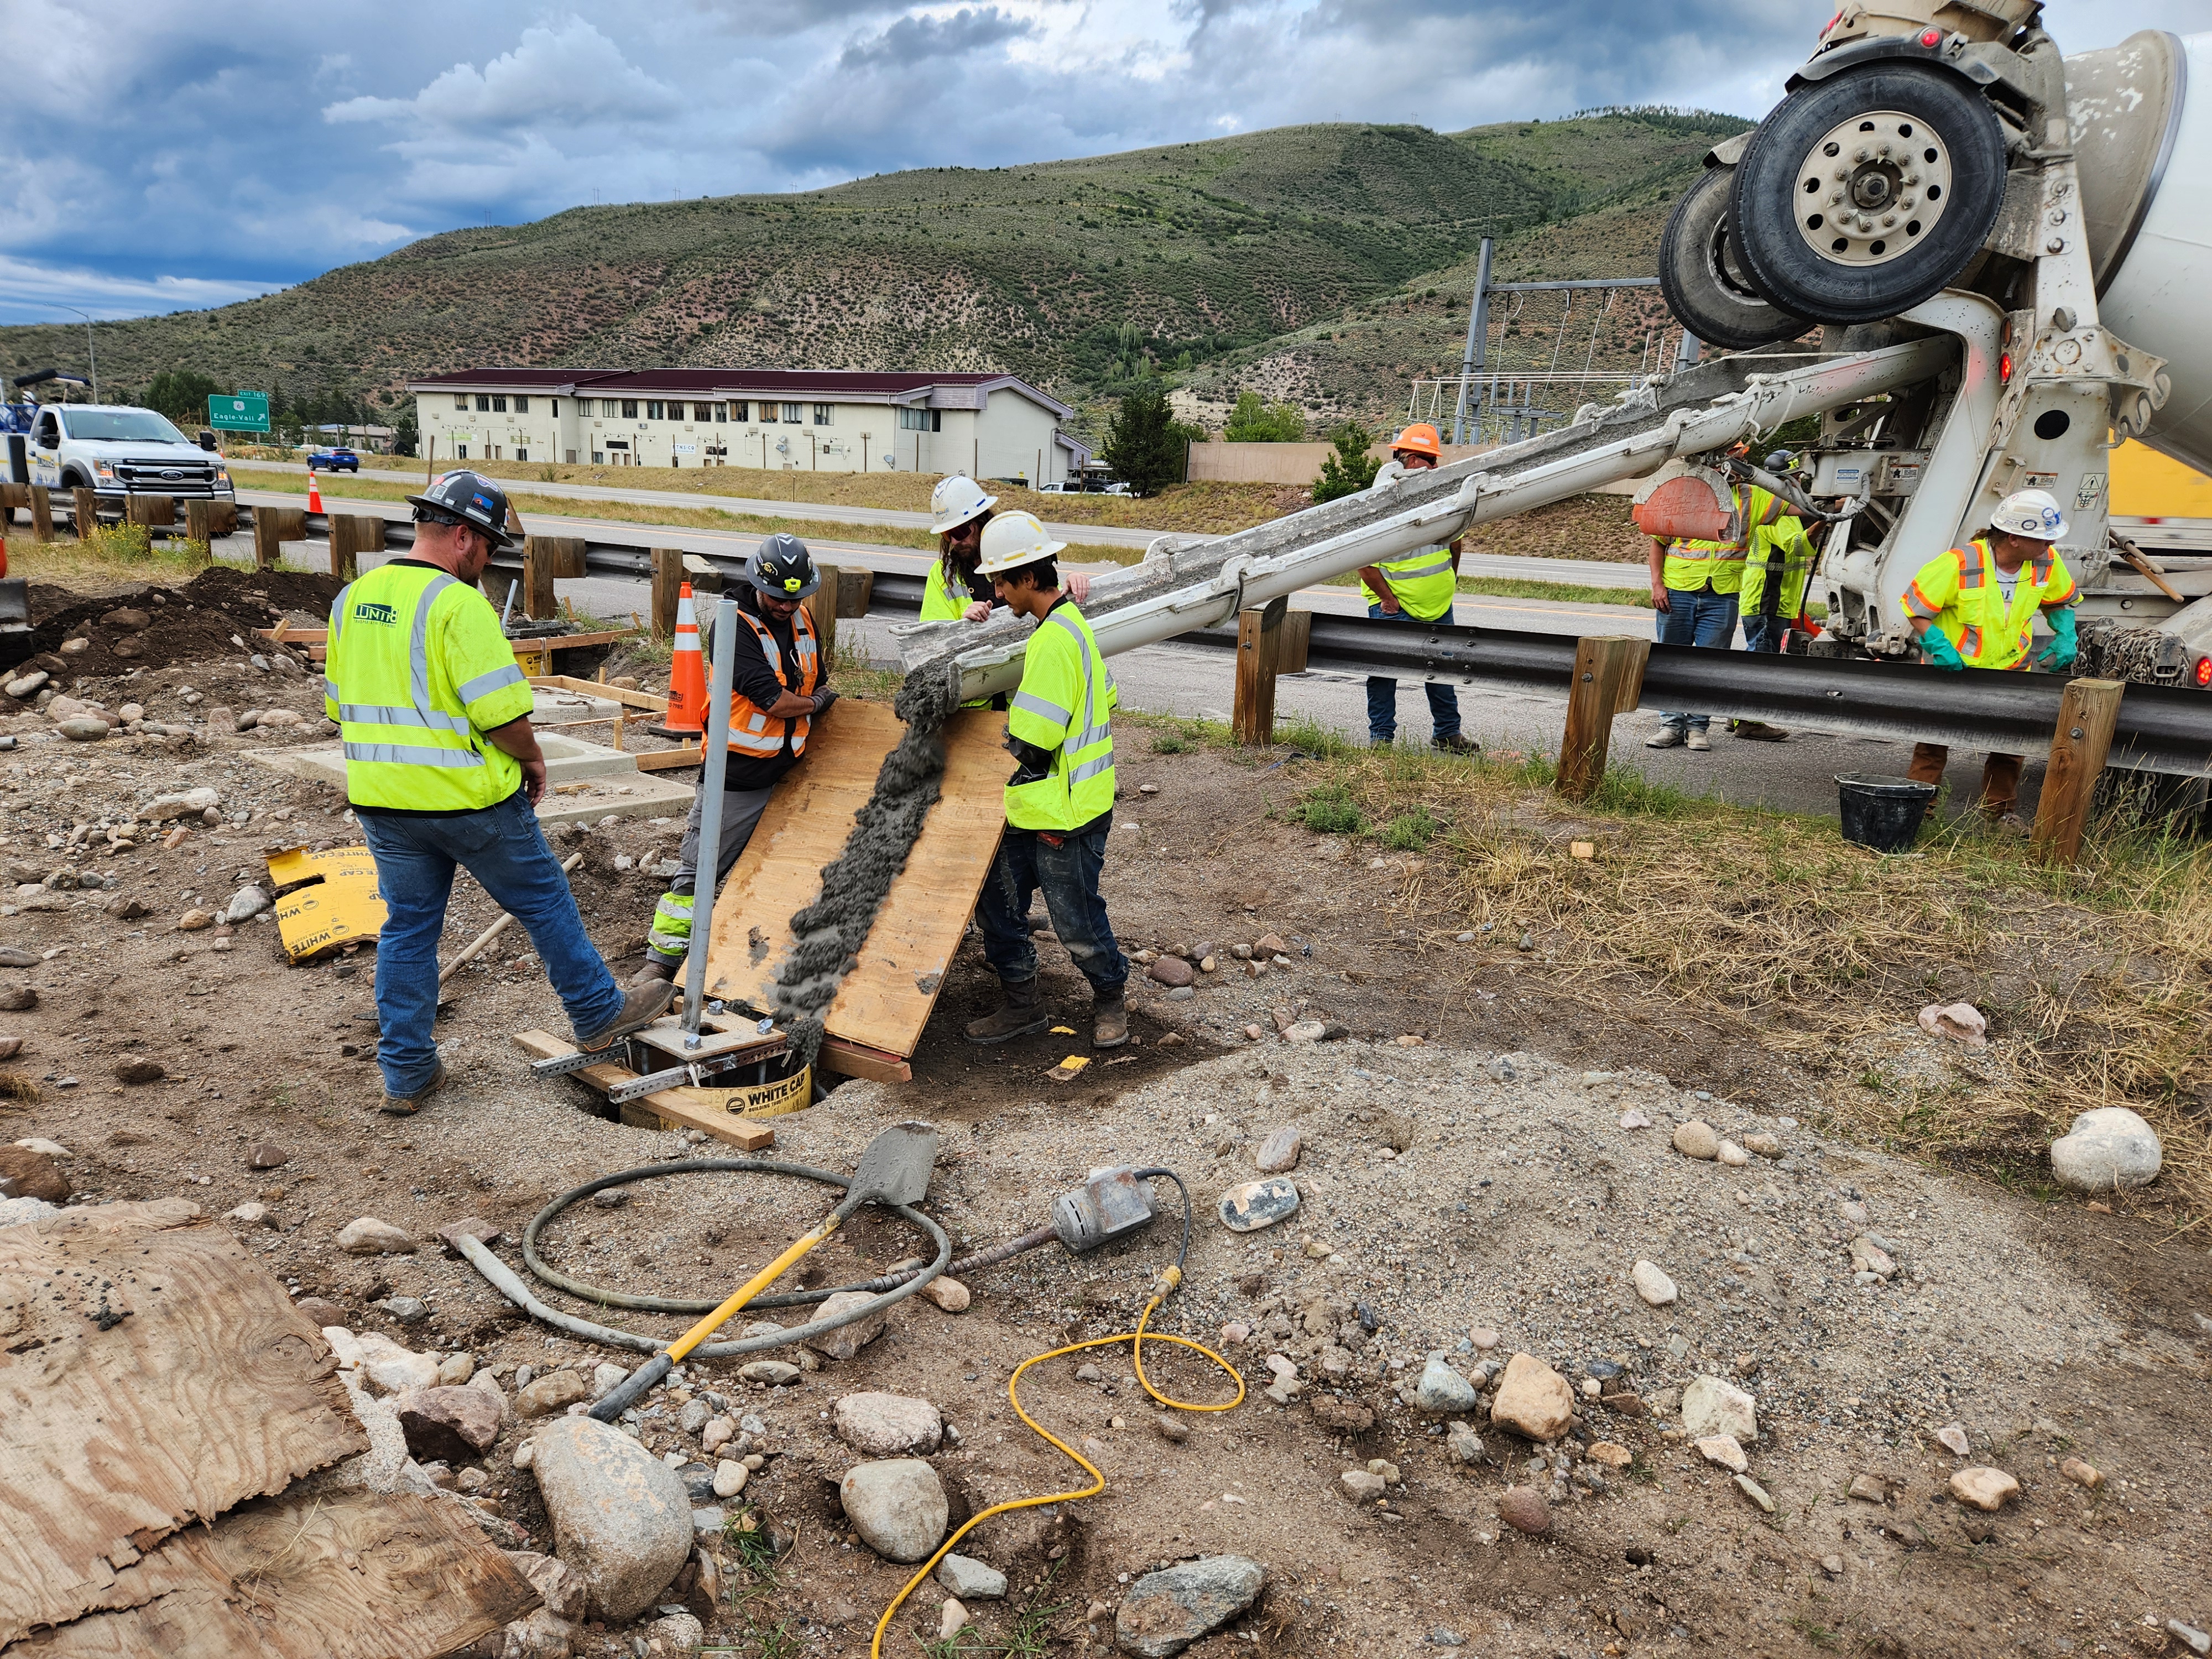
(1705, 283)
(1863, 195)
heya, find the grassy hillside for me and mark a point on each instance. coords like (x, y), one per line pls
(1076, 274)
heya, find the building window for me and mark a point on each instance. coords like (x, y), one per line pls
(791, 413)
(460, 452)
(522, 406)
(767, 415)
(921, 420)
(629, 408)
(556, 416)
(702, 411)
(483, 404)
(498, 405)
(572, 458)
(653, 409)
(460, 400)
(521, 454)
(821, 414)
(741, 410)
(598, 457)
(721, 413)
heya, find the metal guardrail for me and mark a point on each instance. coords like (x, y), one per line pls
(2161, 729)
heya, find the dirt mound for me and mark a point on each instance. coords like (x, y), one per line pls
(211, 617)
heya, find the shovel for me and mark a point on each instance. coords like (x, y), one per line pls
(894, 1169)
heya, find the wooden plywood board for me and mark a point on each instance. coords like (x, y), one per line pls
(343, 1575)
(729, 1114)
(886, 1000)
(151, 1376)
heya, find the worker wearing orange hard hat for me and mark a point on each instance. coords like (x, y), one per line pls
(1416, 587)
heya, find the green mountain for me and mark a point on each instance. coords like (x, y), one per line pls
(1199, 258)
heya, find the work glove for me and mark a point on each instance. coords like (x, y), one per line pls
(2064, 647)
(823, 698)
(1035, 763)
(1942, 654)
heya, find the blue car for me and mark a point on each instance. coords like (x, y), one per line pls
(333, 460)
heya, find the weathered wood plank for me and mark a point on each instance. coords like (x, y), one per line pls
(151, 1376)
(714, 1110)
(886, 1001)
(342, 1574)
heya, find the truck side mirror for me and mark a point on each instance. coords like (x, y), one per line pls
(207, 442)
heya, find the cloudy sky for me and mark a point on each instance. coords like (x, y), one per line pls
(171, 156)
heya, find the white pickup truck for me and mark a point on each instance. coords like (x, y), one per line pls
(120, 450)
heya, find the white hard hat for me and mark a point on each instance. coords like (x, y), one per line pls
(2032, 513)
(956, 500)
(1015, 538)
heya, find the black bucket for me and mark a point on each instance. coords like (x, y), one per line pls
(1882, 811)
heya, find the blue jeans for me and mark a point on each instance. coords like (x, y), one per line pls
(1703, 618)
(1068, 873)
(505, 850)
(1764, 633)
(1383, 695)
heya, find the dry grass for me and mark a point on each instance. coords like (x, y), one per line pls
(17, 1088)
(119, 555)
(2097, 981)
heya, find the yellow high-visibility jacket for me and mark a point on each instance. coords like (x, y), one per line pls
(1065, 704)
(1960, 591)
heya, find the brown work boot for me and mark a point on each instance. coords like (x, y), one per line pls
(1023, 1012)
(658, 970)
(407, 1105)
(1110, 1022)
(645, 1003)
(1760, 731)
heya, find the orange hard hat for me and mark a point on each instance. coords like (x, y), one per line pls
(1420, 438)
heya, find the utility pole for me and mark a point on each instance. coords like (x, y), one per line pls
(1478, 341)
(92, 360)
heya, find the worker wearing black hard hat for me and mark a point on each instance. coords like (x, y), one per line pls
(777, 687)
(442, 770)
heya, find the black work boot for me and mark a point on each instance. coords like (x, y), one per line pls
(1110, 1022)
(1023, 1012)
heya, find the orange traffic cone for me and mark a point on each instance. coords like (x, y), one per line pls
(687, 681)
(314, 491)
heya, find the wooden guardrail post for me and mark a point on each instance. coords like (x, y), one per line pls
(2087, 715)
(12, 496)
(199, 520)
(84, 510)
(352, 534)
(42, 513)
(1297, 642)
(667, 590)
(822, 608)
(1608, 678)
(150, 512)
(1259, 654)
(539, 558)
(272, 527)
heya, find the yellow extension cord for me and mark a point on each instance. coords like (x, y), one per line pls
(1170, 1281)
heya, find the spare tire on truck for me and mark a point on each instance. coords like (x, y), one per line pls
(1703, 280)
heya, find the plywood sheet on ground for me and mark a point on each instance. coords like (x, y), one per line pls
(886, 1001)
(151, 1376)
(343, 1575)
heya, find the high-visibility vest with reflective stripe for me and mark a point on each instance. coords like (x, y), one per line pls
(416, 670)
(1784, 546)
(1958, 592)
(1065, 704)
(1425, 583)
(945, 595)
(755, 733)
(1691, 564)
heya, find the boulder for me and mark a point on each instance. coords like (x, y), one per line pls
(897, 1506)
(27, 1174)
(447, 1425)
(386, 1366)
(847, 1339)
(1165, 1612)
(1360, 1486)
(1532, 1399)
(888, 1425)
(2108, 1148)
(1710, 1406)
(83, 728)
(622, 1521)
(139, 1070)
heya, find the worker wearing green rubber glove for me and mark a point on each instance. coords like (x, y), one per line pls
(1975, 607)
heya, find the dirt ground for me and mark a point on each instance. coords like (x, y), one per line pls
(1447, 1191)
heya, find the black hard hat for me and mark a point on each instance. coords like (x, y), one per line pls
(782, 568)
(1780, 460)
(465, 497)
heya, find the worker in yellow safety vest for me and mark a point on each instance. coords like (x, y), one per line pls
(1976, 607)
(953, 589)
(1695, 586)
(1777, 567)
(443, 770)
(777, 690)
(1060, 801)
(1414, 587)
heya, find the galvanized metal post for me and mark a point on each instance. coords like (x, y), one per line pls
(1478, 341)
(716, 738)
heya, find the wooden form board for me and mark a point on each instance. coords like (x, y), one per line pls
(886, 1000)
(151, 1377)
(349, 1574)
(732, 1115)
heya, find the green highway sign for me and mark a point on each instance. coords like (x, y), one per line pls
(246, 411)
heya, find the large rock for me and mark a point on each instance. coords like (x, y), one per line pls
(847, 1339)
(1440, 1388)
(27, 1174)
(888, 1425)
(1165, 1612)
(1710, 1406)
(621, 1522)
(1533, 1399)
(2108, 1148)
(367, 1235)
(383, 1363)
(553, 1392)
(190, 804)
(897, 1506)
(970, 1580)
(444, 1425)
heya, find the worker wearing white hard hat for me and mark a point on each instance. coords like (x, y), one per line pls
(958, 511)
(1976, 607)
(1060, 800)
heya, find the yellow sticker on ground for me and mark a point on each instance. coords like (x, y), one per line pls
(1068, 1068)
(1063, 1030)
